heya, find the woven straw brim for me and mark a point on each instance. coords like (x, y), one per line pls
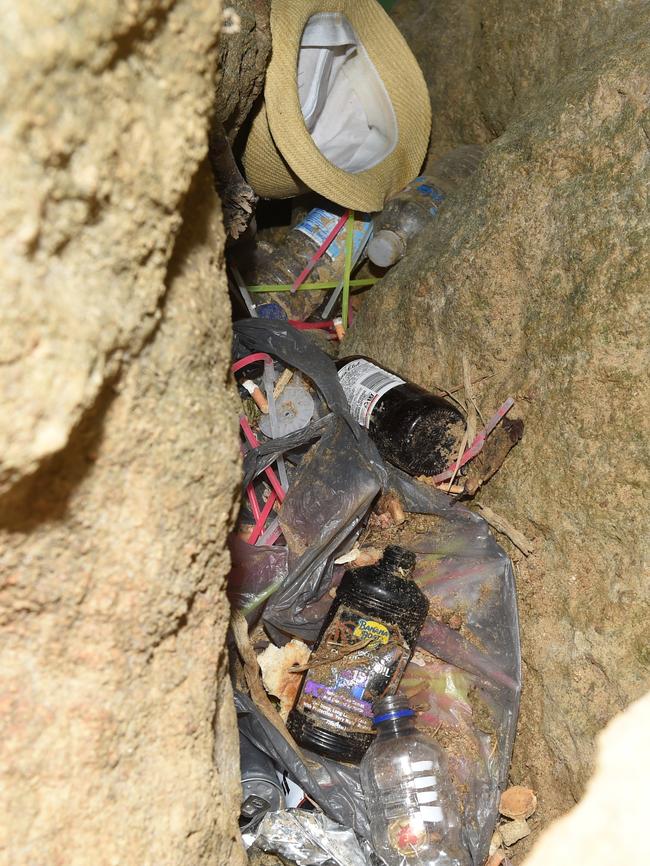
(280, 155)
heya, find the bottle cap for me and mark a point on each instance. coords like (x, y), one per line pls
(386, 248)
(272, 310)
(392, 707)
(396, 557)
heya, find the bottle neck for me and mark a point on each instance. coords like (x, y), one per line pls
(399, 727)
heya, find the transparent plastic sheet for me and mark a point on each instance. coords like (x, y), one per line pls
(256, 571)
(310, 839)
(469, 691)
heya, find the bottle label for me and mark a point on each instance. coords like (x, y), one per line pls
(425, 188)
(412, 810)
(359, 660)
(319, 223)
(364, 384)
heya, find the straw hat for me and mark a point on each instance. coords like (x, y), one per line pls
(346, 110)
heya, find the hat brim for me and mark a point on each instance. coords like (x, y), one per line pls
(280, 157)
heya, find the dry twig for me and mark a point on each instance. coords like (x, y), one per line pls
(283, 381)
(470, 404)
(335, 657)
(253, 676)
(501, 525)
(461, 451)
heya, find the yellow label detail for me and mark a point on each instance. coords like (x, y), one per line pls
(368, 628)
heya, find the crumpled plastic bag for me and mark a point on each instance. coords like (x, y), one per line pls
(468, 689)
(309, 839)
(331, 490)
(335, 787)
(331, 493)
(256, 571)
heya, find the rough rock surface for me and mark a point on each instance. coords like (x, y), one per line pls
(243, 57)
(486, 60)
(105, 109)
(118, 456)
(538, 271)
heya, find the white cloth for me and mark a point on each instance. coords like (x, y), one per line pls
(344, 102)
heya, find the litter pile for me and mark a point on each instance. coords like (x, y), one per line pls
(375, 640)
(394, 583)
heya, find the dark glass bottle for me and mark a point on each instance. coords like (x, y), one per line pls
(364, 646)
(413, 429)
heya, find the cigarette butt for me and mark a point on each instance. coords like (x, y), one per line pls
(338, 327)
(260, 400)
(283, 381)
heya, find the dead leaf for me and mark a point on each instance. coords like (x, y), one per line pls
(275, 663)
(513, 831)
(518, 802)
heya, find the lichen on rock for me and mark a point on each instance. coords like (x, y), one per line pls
(537, 270)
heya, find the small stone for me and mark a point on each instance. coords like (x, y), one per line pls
(513, 831)
(518, 802)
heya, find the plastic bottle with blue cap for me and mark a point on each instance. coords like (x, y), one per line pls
(411, 803)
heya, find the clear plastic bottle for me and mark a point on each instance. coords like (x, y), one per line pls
(407, 213)
(281, 264)
(411, 803)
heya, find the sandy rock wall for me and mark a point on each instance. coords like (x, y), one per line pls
(538, 271)
(485, 61)
(118, 459)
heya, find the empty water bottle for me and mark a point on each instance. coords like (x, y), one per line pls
(281, 264)
(407, 213)
(411, 803)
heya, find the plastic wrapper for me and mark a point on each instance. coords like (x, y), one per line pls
(331, 493)
(256, 571)
(465, 678)
(332, 786)
(258, 459)
(310, 839)
(331, 490)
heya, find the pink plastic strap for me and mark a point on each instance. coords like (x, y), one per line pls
(311, 326)
(251, 438)
(478, 442)
(300, 279)
(259, 526)
(250, 359)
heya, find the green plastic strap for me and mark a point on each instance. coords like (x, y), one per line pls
(308, 287)
(349, 240)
